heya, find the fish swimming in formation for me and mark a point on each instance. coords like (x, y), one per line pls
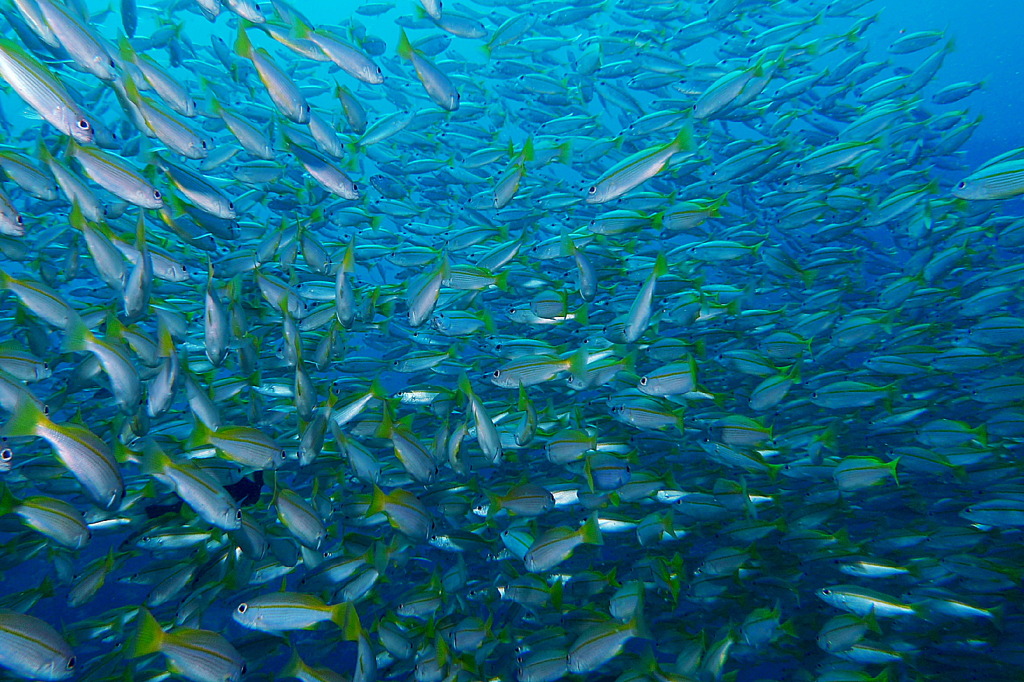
(503, 341)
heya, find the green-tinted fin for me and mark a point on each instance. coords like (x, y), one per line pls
(405, 49)
(200, 436)
(527, 153)
(485, 316)
(76, 336)
(581, 316)
(154, 460)
(295, 667)
(683, 141)
(7, 500)
(378, 501)
(557, 591)
(386, 425)
(378, 557)
(443, 652)
(149, 635)
(891, 466)
(23, 422)
(243, 46)
(345, 617)
(465, 386)
(591, 532)
(660, 265)
(578, 363)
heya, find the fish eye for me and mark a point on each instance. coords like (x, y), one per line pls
(202, 143)
(496, 373)
(592, 190)
(643, 381)
(378, 69)
(19, 220)
(242, 608)
(157, 194)
(83, 124)
(245, 668)
(962, 185)
(70, 665)
(6, 455)
(231, 206)
(238, 514)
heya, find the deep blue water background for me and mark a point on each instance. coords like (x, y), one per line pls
(989, 46)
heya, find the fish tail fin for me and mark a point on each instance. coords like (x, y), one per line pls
(494, 504)
(591, 532)
(200, 435)
(348, 261)
(386, 424)
(527, 153)
(7, 500)
(581, 315)
(377, 389)
(149, 635)
(565, 152)
(345, 617)
(683, 140)
(660, 265)
(295, 667)
(131, 90)
(243, 46)
(77, 335)
(378, 557)
(713, 208)
(405, 49)
(125, 50)
(378, 501)
(23, 422)
(301, 30)
(638, 626)
(488, 321)
(154, 460)
(891, 466)
(465, 386)
(578, 364)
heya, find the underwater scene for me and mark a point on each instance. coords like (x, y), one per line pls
(634, 341)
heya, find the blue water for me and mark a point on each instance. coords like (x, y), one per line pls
(918, 522)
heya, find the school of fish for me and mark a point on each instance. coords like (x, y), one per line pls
(583, 340)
